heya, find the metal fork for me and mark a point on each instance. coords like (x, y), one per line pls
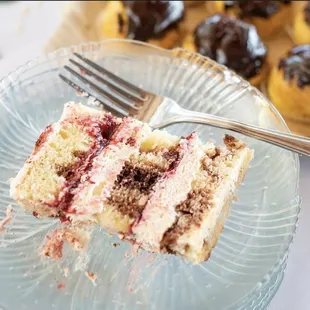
(123, 99)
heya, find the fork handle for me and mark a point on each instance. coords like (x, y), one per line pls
(291, 142)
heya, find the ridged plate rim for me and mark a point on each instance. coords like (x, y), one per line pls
(9, 80)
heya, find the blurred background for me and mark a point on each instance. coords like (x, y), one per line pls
(29, 28)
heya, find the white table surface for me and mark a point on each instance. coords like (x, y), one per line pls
(294, 291)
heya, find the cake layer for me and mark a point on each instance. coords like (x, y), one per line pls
(107, 165)
(66, 157)
(171, 189)
(202, 215)
(136, 181)
(164, 193)
(61, 154)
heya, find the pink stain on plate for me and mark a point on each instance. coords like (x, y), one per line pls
(6, 220)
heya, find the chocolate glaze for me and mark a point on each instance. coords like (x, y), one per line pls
(232, 43)
(307, 13)
(101, 130)
(264, 9)
(152, 19)
(297, 65)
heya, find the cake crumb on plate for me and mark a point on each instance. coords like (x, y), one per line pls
(60, 285)
(91, 276)
(53, 246)
(66, 272)
(7, 219)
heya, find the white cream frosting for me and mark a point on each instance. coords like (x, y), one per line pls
(159, 213)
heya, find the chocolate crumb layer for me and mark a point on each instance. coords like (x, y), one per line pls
(172, 234)
(132, 187)
(79, 154)
(233, 144)
(197, 201)
(137, 179)
(216, 154)
(190, 212)
(173, 159)
(68, 171)
(194, 209)
(141, 178)
(65, 171)
(296, 65)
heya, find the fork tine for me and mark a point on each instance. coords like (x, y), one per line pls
(112, 76)
(113, 109)
(118, 90)
(102, 92)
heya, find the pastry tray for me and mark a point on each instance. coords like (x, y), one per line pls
(277, 44)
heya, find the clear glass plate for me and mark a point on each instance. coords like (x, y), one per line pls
(246, 267)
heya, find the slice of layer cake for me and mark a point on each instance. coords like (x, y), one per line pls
(164, 193)
(76, 158)
(201, 217)
(159, 175)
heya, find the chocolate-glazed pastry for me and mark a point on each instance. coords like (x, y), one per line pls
(267, 16)
(157, 22)
(152, 19)
(297, 65)
(289, 88)
(302, 25)
(231, 42)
